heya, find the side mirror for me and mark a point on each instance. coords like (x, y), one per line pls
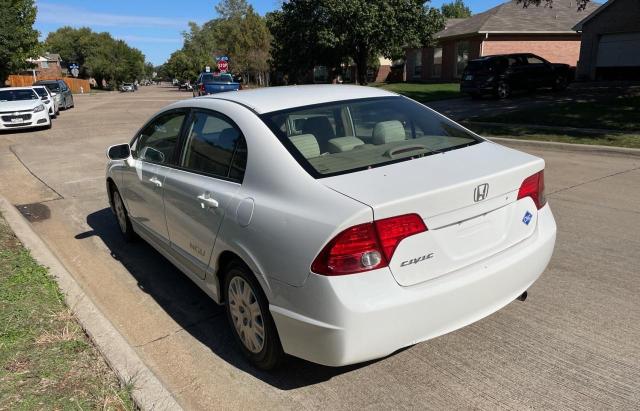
(119, 152)
(54, 94)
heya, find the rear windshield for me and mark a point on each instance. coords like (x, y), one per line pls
(353, 135)
(42, 92)
(223, 78)
(16, 95)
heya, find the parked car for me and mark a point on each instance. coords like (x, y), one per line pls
(48, 100)
(60, 91)
(127, 87)
(500, 75)
(22, 107)
(335, 223)
(186, 86)
(209, 83)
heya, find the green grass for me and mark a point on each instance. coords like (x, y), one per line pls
(630, 140)
(46, 360)
(619, 113)
(424, 92)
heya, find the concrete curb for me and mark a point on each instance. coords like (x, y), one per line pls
(148, 392)
(568, 146)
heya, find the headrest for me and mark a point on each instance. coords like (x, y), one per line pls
(388, 132)
(341, 144)
(306, 144)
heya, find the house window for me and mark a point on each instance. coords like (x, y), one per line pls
(417, 67)
(320, 74)
(44, 64)
(462, 56)
(436, 70)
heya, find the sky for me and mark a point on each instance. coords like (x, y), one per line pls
(153, 26)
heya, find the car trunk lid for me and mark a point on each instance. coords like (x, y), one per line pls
(466, 197)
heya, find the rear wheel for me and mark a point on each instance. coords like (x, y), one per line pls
(122, 217)
(249, 317)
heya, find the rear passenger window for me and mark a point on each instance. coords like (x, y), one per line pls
(158, 140)
(214, 146)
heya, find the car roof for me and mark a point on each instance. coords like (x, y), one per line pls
(269, 99)
(17, 88)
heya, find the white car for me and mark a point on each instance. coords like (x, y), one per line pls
(336, 223)
(48, 100)
(21, 107)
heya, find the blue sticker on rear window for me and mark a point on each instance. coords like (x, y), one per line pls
(527, 218)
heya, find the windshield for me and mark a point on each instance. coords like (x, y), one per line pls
(16, 95)
(347, 136)
(42, 92)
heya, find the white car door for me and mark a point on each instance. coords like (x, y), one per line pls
(143, 180)
(198, 191)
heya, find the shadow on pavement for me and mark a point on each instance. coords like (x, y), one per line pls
(193, 310)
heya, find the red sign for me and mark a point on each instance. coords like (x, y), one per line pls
(223, 66)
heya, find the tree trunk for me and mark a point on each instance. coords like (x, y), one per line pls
(361, 57)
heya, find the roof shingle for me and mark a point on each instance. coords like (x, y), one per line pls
(511, 17)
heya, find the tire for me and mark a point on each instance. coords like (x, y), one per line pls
(249, 316)
(560, 83)
(503, 90)
(122, 216)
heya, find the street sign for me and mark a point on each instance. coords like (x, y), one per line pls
(75, 69)
(223, 63)
(207, 69)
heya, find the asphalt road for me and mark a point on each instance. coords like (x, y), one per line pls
(574, 344)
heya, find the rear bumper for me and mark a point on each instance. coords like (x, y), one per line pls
(338, 321)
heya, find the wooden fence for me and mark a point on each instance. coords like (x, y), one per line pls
(77, 85)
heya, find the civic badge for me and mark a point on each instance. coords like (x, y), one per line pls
(527, 218)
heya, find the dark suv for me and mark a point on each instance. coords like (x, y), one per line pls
(499, 75)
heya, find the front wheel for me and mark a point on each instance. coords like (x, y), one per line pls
(560, 83)
(503, 90)
(251, 322)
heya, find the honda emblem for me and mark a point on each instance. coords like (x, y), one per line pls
(481, 192)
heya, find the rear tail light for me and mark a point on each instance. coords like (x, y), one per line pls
(367, 246)
(202, 87)
(533, 187)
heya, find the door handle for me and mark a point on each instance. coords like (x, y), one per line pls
(208, 201)
(155, 181)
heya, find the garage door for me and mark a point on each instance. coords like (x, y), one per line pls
(619, 50)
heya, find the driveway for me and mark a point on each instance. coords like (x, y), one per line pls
(575, 342)
(466, 108)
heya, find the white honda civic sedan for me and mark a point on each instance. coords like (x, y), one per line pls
(335, 223)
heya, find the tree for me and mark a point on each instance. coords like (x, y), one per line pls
(455, 10)
(581, 4)
(331, 31)
(99, 55)
(239, 33)
(73, 45)
(18, 39)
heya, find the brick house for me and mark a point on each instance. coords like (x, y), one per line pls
(506, 28)
(610, 48)
(48, 66)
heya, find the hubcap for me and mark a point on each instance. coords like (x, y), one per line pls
(502, 90)
(246, 314)
(120, 213)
